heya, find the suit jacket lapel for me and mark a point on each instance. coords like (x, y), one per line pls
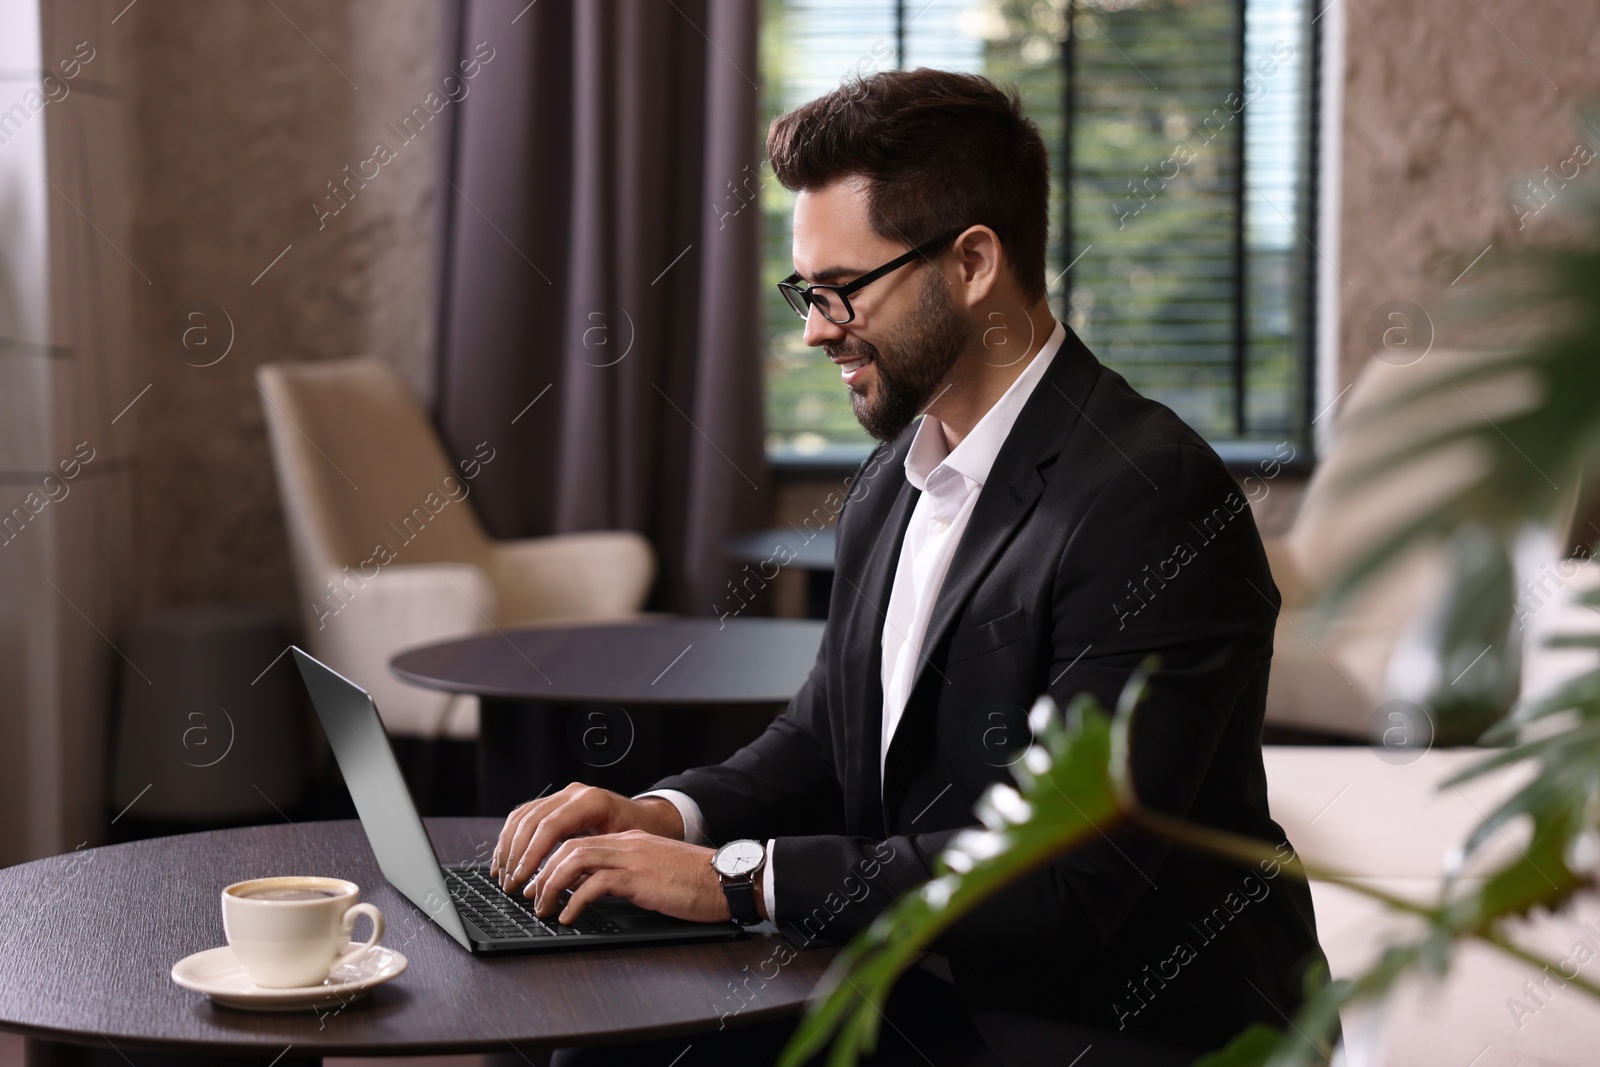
(868, 586)
(1017, 478)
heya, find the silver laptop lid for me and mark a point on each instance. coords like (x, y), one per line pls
(388, 814)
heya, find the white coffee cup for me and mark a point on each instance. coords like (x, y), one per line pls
(289, 932)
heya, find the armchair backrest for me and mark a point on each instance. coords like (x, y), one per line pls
(362, 476)
(1333, 526)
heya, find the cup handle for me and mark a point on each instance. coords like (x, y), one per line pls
(349, 925)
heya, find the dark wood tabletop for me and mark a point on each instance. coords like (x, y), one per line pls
(786, 546)
(90, 938)
(702, 660)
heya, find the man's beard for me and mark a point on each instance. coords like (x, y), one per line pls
(911, 363)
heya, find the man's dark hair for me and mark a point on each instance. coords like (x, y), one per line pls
(939, 150)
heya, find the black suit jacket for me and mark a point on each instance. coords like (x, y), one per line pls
(1107, 530)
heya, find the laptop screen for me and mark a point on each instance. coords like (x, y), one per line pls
(399, 840)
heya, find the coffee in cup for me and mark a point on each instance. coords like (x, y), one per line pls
(290, 893)
(291, 931)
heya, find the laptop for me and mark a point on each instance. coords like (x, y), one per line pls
(462, 899)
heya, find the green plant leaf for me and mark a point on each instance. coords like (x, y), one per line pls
(1462, 660)
(1065, 790)
(1251, 1047)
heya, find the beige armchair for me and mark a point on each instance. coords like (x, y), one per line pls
(1331, 679)
(388, 552)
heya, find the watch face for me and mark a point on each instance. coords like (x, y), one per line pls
(739, 857)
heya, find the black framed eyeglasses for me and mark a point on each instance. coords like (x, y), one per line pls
(833, 301)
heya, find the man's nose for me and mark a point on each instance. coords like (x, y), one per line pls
(819, 330)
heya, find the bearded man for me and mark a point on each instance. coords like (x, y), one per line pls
(1028, 524)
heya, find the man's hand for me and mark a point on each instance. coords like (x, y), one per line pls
(534, 829)
(671, 877)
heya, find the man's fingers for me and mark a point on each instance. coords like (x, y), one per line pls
(609, 881)
(519, 827)
(543, 824)
(518, 863)
(509, 847)
(502, 844)
(546, 830)
(567, 866)
(585, 812)
(560, 870)
(522, 835)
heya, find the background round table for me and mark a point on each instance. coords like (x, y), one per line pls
(810, 551)
(91, 936)
(617, 705)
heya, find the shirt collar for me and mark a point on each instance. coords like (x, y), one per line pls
(974, 456)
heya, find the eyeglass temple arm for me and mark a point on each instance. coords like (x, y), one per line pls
(873, 275)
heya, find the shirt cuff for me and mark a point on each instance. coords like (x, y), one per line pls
(767, 893)
(694, 825)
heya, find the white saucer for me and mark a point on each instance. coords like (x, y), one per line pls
(219, 976)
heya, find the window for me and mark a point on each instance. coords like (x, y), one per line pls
(1181, 202)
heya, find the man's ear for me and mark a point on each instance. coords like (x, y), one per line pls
(979, 261)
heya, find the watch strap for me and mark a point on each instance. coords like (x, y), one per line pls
(742, 901)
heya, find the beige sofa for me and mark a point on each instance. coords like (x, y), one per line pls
(1382, 816)
(1391, 826)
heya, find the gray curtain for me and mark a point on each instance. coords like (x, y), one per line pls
(600, 318)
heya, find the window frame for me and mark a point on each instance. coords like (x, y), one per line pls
(1237, 452)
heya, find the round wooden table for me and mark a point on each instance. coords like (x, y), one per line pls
(588, 703)
(90, 938)
(811, 551)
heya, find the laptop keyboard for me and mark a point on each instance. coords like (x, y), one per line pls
(501, 915)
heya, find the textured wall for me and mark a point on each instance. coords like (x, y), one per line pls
(1450, 105)
(181, 150)
(1450, 108)
(244, 114)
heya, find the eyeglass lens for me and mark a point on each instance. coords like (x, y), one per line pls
(829, 303)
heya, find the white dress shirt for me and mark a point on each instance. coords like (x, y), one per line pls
(949, 481)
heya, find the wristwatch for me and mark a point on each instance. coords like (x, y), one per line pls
(736, 864)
